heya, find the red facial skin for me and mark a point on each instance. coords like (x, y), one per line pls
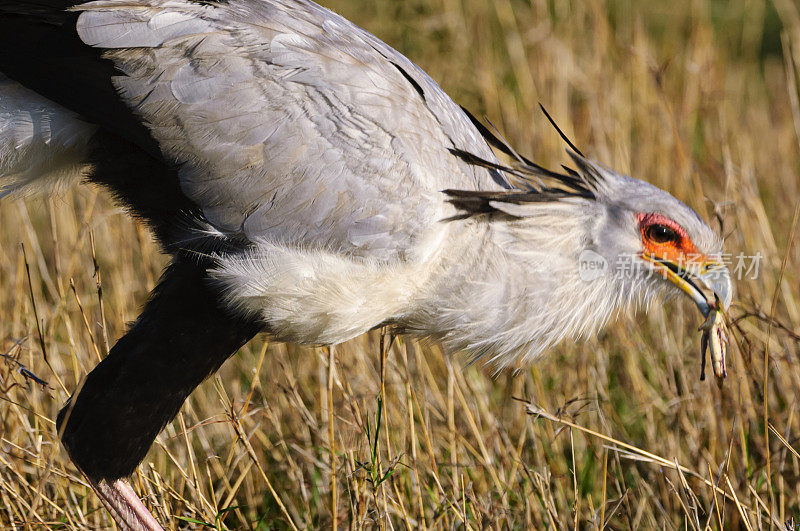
(682, 252)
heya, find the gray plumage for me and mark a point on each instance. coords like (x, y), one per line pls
(326, 152)
(329, 187)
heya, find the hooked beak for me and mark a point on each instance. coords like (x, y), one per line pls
(707, 282)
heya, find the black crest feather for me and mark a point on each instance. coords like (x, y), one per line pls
(531, 182)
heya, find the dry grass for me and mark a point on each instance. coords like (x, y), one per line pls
(700, 98)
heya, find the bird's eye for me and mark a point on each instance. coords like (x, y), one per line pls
(661, 234)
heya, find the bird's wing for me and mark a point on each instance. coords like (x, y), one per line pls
(290, 123)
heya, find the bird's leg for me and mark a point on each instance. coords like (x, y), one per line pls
(124, 505)
(183, 335)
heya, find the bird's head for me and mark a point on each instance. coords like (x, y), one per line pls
(651, 239)
(585, 243)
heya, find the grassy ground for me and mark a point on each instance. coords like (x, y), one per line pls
(700, 98)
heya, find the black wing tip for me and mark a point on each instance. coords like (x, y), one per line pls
(411, 80)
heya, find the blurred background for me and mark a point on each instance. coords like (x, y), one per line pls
(699, 97)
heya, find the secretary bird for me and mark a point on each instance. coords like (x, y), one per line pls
(309, 181)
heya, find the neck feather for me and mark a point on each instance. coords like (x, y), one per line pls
(522, 291)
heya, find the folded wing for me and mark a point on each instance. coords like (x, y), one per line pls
(289, 123)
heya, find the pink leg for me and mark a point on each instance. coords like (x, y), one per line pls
(125, 507)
